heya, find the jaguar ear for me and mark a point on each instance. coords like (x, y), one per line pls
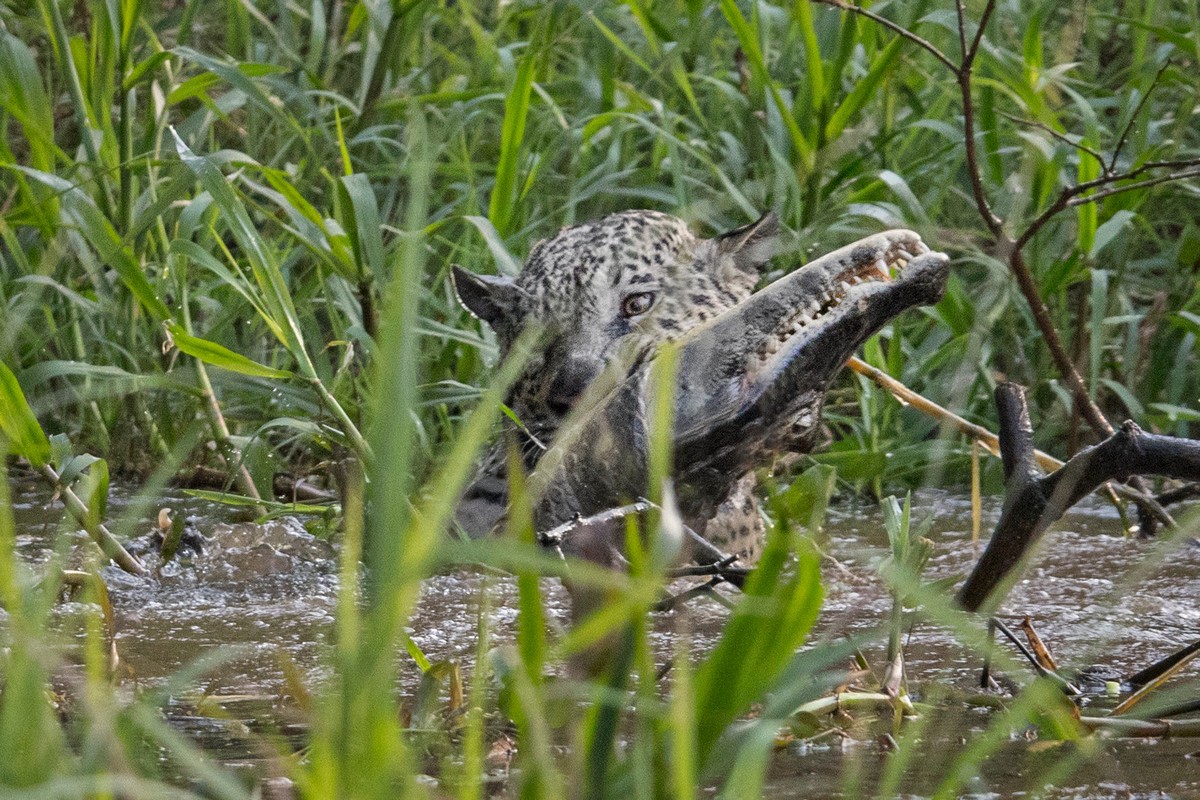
(751, 246)
(491, 298)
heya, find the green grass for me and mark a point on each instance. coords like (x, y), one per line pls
(245, 213)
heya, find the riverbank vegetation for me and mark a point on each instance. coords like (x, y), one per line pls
(226, 230)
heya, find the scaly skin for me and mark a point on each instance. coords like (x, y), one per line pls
(753, 369)
(750, 385)
(575, 287)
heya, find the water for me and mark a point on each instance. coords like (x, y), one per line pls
(268, 591)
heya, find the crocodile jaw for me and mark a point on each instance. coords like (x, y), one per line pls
(751, 383)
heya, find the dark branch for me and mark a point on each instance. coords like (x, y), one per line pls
(1136, 113)
(983, 21)
(924, 44)
(1033, 503)
(1129, 187)
(1062, 137)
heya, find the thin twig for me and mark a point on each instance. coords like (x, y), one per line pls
(671, 602)
(555, 536)
(1038, 667)
(983, 21)
(960, 8)
(923, 43)
(993, 222)
(1062, 137)
(1136, 113)
(1174, 176)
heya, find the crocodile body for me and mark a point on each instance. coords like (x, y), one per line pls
(753, 368)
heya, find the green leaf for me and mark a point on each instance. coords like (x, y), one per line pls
(748, 39)
(1109, 230)
(506, 264)
(93, 490)
(280, 311)
(26, 437)
(362, 222)
(145, 70)
(23, 96)
(807, 498)
(767, 627)
(71, 468)
(79, 211)
(218, 355)
(512, 133)
(862, 92)
(241, 501)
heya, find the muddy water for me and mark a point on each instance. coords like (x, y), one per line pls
(269, 592)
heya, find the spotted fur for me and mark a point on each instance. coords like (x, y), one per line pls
(578, 289)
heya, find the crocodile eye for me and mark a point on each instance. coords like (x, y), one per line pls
(637, 304)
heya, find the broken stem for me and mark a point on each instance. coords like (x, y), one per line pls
(95, 529)
(991, 442)
(224, 441)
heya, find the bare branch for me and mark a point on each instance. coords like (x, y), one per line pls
(969, 58)
(1133, 117)
(924, 44)
(960, 8)
(1067, 196)
(1080, 146)
(1033, 503)
(993, 222)
(1174, 176)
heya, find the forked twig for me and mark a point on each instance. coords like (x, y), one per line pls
(990, 441)
(921, 42)
(1010, 247)
(1033, 502)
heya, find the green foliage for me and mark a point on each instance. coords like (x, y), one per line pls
(279, 190)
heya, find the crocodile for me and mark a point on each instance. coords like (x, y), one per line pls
(753, 367)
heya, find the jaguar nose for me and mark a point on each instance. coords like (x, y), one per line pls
(570, 382)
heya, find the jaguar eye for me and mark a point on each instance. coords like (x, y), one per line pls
(637, 304)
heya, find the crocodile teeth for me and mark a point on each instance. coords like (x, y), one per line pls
(905, 255)
(882, 268)
(845, 287)
(814, 307)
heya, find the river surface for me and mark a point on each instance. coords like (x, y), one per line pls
(1095, 597)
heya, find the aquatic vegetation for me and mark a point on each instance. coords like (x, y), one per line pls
(226, 234)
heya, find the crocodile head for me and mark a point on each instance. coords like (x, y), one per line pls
(749, 384)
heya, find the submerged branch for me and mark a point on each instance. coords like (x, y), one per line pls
(1034, 502)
